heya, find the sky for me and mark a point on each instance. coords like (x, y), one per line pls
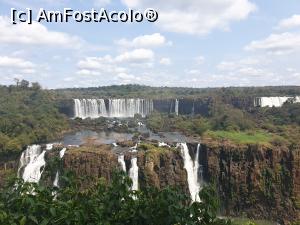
(194, 43)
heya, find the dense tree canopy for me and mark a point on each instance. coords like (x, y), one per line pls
(107, 204)
(27, 115)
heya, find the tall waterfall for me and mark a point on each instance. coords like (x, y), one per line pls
(61, 155)
(134, 174)
(191, 167)
(33, 162)
(274, 101)
(122, 162)
(122, 108)
(176, 106)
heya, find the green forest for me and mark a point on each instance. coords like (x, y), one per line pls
(28, 115)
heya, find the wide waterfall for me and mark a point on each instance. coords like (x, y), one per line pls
(33, 162)
(191, 167)
(122, 162)
(121, 108)
(275, 101)
(134, 174)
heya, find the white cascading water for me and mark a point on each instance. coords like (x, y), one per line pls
(176, 106)
(122, 162)
(134, 174)
(121, 108)
(163, 144)
(61, 155)
(274, 101)
(115, 144)
(192, 171)
(33, 162)
(55, 182)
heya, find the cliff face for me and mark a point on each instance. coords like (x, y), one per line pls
(160, 169)
(258, 181)
(155, 168)
(8, 167)
(90, 164)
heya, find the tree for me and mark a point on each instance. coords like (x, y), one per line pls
(17, 80)
(35, 86)
(111, 204)
(24, 84)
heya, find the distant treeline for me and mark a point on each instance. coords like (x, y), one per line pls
(139, 91)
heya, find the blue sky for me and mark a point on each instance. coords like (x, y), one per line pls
(194, 43)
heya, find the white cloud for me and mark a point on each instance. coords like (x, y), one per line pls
(165, 61)
(193, 72)
(144, 41)
(94, 66)
(101, 3)
(199, 59)
(114, 65)
(94, 63)
(136, 56)
(248, 67)
(196, 16)
(125, 78)
(34, 3)
(15, 67)
(35, 34)
(277, 43)
(292, 22)
(119, 69)
(13, 62)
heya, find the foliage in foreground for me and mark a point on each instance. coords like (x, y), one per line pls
(104, 203)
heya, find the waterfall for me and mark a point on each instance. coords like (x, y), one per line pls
(163, 144)
(122, 162)
(121, 108)
(274, 101)
(61, 155)
(55, 182)
(176, 106)
(192, 171)
(49, 146)
(114, 144)
(33, 162)
(134, 174)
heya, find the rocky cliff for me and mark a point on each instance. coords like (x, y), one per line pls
(160, 168)
(156, 168)
(254, 180)
(257, 181)
(90, 164)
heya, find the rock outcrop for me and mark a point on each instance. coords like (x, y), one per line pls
(89, 163)
(257, 181)
(160, 168)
